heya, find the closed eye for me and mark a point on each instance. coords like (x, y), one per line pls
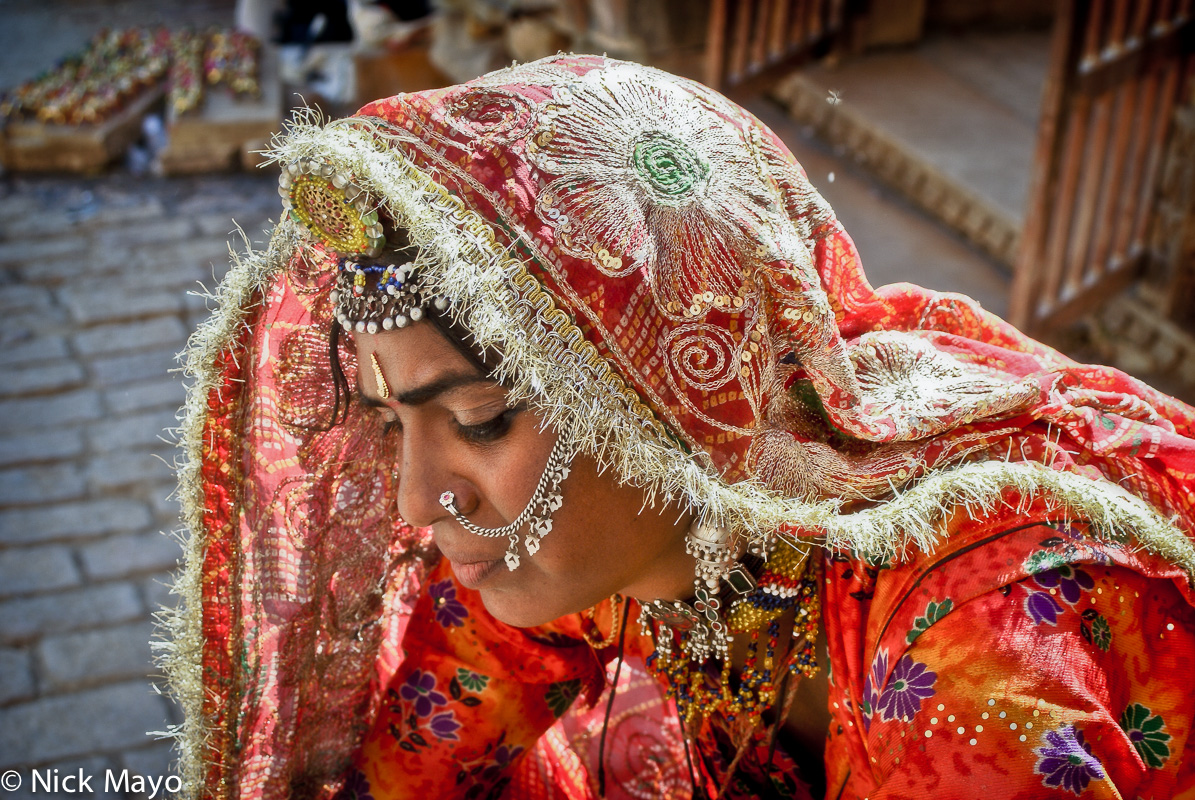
(492, 429)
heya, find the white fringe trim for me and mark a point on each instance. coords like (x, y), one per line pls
(180, 653)
(546, 361)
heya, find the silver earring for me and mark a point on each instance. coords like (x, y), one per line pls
(712, 547)
(539, 509)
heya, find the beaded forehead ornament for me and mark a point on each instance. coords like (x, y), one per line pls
(372, 293)
(380, 297)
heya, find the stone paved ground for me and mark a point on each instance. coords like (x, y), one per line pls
(95, 280)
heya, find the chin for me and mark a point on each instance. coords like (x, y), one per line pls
(524, 611)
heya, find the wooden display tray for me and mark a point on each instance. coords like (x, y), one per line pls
(37, 147)
(223, 133)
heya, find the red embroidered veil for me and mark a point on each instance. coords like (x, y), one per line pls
(666, 287)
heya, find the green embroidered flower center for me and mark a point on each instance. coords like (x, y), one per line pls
(1074, 759)
(668, 165)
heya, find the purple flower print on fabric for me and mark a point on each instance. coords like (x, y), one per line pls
(1070, 582)
(504, 756)
(1066, 760)
(420, 689)
(875, 678)
(444, 726)
(1043, 608)
(910, 683)
(489, 776)
(450, 612)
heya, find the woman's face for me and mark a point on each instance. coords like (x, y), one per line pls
(452, 429)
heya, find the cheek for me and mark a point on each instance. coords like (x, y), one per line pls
(603, 541)
(507, 475)
(604, 535)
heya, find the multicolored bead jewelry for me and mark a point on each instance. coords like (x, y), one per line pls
(186, 72)
(118, 65)
(88, 88)
(215, 58)
(369, 297)
(689, 666)
(380, 297)
(231, 59)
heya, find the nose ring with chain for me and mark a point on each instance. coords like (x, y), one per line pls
(544, 501)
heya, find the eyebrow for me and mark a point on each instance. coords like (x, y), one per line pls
(423, 394)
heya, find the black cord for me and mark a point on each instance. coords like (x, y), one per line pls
(622, 635)
(779, 717)
(340, 383)
(697, 794)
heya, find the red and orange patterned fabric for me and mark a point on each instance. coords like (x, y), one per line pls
(665, 286)
(468, 713)
(1024, 659)
(1019, 661)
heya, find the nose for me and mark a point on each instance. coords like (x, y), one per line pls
(425, 471)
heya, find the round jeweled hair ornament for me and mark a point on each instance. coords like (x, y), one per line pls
(332, 206)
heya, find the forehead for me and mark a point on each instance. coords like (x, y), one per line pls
(412, 356)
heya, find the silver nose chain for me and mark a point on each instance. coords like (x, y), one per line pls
(544, 501)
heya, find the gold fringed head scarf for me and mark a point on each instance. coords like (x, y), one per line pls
(661, 283)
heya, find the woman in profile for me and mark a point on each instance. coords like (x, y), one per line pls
(558, 447)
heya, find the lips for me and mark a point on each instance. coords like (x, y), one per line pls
(471, 565)
(474, 574)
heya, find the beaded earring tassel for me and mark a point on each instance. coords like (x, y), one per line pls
(699, 677)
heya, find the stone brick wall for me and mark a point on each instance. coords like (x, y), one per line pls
(97, 295)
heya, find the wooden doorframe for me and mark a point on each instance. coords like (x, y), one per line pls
(753, 43)
(1116, 72)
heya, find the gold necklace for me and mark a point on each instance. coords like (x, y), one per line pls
(589, 614)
